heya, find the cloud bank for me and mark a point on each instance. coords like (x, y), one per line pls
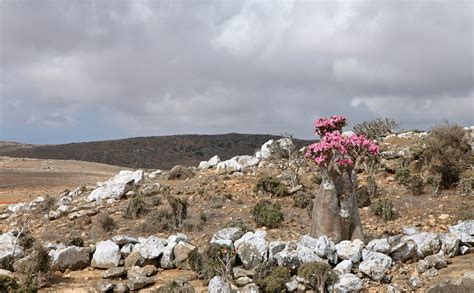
(88, 70)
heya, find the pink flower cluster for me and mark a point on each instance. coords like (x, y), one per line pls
(345, 150)
(325, 125)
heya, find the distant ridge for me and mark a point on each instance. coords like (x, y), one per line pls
(154, 152)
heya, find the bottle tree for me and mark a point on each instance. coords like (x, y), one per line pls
(335, 210)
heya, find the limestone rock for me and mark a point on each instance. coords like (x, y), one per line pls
(227, 236)
(350, 250)
(117, 186)
(465, 231)
(139, 282)
(121, 240)
(404, 251)
(427, 243)
(379, 245)
(72, 258)
(106, 255)
(348, 283)
(113, 272)
(7, 245)
(218, 285)
(181, 253)
(151, 248)
(450, 244)
(252, 248)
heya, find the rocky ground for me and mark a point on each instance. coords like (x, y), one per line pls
(219, 193)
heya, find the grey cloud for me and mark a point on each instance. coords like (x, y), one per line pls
(166, 67)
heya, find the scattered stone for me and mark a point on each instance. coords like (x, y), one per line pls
(139, 282)
(106, 255)
(443, 217)
(404, 251)
(422, 266)
(326, 248)
(117, 186)
(209, 164)
(151, 248)
(415, 282)
(7, 246)
(126, 250)
(250, 288)
(113, 273)
(227, 236)
(374, 264)
(252, 248)
(72, 258)
(134, 259)
(348, 283)
(463, 250)
(120, 288)
(122, 240)
(379, 245)
(242, 281)
(409, 231)
(431, 273)
(450, 244)
(427, 243)
(218, 285)
(437, 261)
(465, 231)
(181, 253)
(241, 272)
(344, 267)
(104, 286)
(350, 250)
(292, 285)
(167, 259)
(275, 247)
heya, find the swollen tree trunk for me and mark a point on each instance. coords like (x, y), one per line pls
(335, 210)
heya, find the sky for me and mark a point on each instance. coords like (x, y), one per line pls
(93, 70)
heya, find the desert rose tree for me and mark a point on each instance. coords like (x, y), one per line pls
(335, 210)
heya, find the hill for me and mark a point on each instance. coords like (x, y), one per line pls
(156, 152)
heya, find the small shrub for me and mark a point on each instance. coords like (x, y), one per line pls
(434, 183)
(318, 274)
(363, 197)
(448, 152)
(75, 241)
(179, 208)
(26, 240)
(216, 260)
(301, 200)
(275, 281)
(7, 264)
(383, 208)
(154, 200)
(48, 204)
(180, 172)
(34, 273)
(203, 217)
(466, 186)
(239, 224)
(176, 286)
(371, 186)
(271, 185)
(376, 129)
(318, 179)
(8, 284)
(136, 208)
(416, 185)
(160, 221)
(106, 222)
(402, 176)
(268, 214)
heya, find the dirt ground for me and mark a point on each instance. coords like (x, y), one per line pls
(26, 179)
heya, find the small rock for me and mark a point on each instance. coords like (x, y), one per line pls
(242, 281)
(138, 282)
(104, 286)
(121, 240)
(250, 288)
(252, 248)
(443, 217)
(409, 231)
(415, 282)
(348, 283)
(120, 288)
(241, 272)
(350, 250)
(344, 267)
(151, 248)
(292, 285)
(422, 266)
(181, 253)
(113, 272)
(218, 285)
(463, 250)
(431, 273)
(437, 261)
(379, 245)
(106, 255)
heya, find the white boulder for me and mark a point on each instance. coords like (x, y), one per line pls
(117, 186)
(107, 255)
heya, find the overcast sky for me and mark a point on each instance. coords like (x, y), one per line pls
(92, 70)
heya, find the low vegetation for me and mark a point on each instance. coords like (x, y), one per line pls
(275, 281)
(271, 185)
(383, 208)
(267, 213)
(318, 275)
(136, 208)
(376, 129)
(416, 185)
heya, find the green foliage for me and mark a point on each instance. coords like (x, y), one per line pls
(136, 208)
(26, 240)
(8, 284)
(180, 172)
(402, 176)
(271, 185)
(376, 129)
(159, 221)
(383, 208)
(275, 281)
(416, 185)
(371, 186)
(179, 208)
(106, 222)
(268, 214)
(176, 286)
(239, 224)
(318, 179)
(301, 200)
(434, 182)
(212, 262)
(448, 152)
(466, 186)
(75, 241)
(48, 204)
(34, 272)
(318, 274)
(363, 197)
